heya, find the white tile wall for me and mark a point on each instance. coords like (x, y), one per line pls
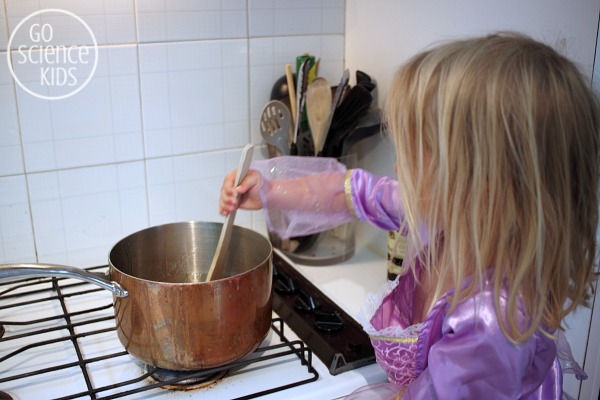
(286, 18)
(174, 20)
(3, 32)
(79, 213)
(111, 21)
(182, 188)
(16, 233)
(176, 94)
(99, 125)
(194, 96)
(11, 160)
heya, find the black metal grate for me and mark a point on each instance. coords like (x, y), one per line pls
(16, 295)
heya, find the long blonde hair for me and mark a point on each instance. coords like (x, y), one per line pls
(497, 140)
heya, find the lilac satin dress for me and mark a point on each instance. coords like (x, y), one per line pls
(461, 354)
(458, 355)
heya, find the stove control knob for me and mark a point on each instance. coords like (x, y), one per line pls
(282, 283)
(305, 302)
(328, 321)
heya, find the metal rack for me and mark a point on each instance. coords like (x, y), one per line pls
(15, 291)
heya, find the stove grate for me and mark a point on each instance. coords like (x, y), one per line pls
(16, 295)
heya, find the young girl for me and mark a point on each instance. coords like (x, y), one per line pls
(497, 142)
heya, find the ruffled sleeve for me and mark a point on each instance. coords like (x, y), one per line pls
(474, 360)
(376, 199)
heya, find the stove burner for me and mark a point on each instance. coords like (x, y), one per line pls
(4, 395)
(185, 380)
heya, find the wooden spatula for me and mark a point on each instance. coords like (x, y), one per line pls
(318, 109)
(217, 267)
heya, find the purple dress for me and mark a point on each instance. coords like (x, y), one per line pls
(461, 354)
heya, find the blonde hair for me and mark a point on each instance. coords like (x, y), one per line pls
(498, 142)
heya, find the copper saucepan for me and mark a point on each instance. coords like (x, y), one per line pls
(166, 315)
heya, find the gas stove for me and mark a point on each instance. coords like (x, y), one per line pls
(59, 341)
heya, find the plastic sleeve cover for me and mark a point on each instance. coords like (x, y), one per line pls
(305, 195)
(302, 195)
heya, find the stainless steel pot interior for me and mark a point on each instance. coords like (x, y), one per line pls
(182, 252)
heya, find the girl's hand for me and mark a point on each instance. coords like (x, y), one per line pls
(245, 196)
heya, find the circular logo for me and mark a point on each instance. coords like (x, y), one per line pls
(46, 56)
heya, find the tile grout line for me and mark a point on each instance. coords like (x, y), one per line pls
(141, 113)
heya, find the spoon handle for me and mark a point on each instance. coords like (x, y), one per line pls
(220, 258)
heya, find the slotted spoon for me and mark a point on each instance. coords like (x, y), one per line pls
(275, 125)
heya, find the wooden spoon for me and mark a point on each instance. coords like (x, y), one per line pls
(217, 267)
(318, 109)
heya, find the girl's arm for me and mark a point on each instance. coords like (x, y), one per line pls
(305, 195)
